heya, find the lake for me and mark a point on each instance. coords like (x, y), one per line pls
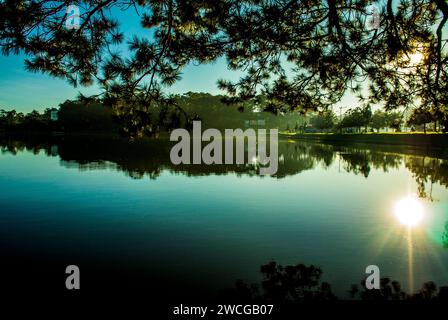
(131, 220)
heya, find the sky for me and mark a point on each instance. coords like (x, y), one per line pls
(25, 91)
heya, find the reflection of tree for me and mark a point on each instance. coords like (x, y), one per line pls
(391, 290)
(385, 161)
(426, 170)
(358, 163)
(323, 153)
(293, 283)
(300, 282)
(445, 236)
(423, 168)
(361, 161)
(149, 157)
(284, 284)
(14, 146)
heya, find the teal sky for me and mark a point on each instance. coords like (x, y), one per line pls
(25, 91)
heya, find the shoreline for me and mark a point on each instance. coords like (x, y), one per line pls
(432, 140)
(432, 145)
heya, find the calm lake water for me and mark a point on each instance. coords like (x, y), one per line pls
(130, 219)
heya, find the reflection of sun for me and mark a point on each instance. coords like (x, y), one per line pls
(409, 211)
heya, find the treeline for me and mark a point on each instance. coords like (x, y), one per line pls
(150, 157)
(91, 115)
(216, 114)
(299, 283)
(70, 116)
(87, 114)
(362, 119)
(32, 121)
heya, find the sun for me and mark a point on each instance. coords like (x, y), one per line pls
(415, 58)
(409, 211)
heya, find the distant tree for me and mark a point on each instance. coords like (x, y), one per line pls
(358, 118)
(394, 120)
(297, 127)
(81, 116)
(365, 116)
(12, 117)
(323, 120)
(2, 118)
(33, 116)
(420, 117)
(378, 120)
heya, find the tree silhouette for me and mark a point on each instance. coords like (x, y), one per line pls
(296, 283)
(445, 236)
(378, 120)
(300, 55)
(323, 120)
(421, 117)
(358, 117)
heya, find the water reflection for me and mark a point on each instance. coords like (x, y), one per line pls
(150, 157)
(340, 221)
(300, 282)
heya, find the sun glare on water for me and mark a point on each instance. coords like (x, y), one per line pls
(409, 211)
